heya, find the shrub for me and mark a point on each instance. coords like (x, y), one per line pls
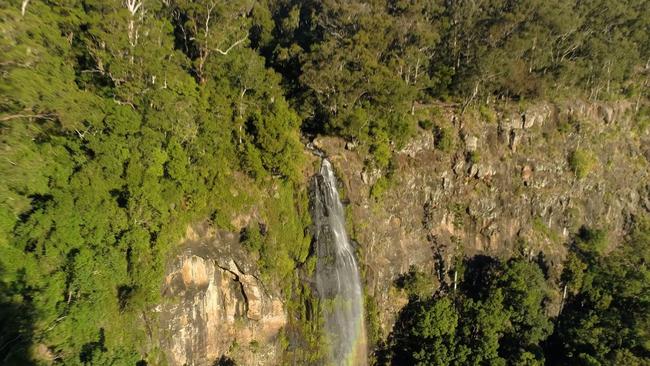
(581, 163)
(568, 124)
(473, 157)
(251, 238)
(487, 114)
(379, 188)
(591, 240)
(416, 283)
(425, 124)
(380, 149)
(444, 138)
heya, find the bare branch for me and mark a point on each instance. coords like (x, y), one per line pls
(15, 116)
(133, 6)
(232, 46)
(23, 7)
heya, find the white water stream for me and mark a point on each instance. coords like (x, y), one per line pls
(337, 275)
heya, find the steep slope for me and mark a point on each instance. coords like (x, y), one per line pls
(507, 186)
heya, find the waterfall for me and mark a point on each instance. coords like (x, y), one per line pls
(337, 275)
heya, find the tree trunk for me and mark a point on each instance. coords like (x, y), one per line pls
(23, 7)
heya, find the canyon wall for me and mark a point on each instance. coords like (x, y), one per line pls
(506, 187)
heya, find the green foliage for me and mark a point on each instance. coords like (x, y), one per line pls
(444, 138)
(540, 226)
(425, 124)
(379, 188)
(497, 316)
(120, 126)
(386, 56)
(416, 283)
(643, 120)
(605, 320)
(380, 149)
(473, 157)
(118, 130)
(568, 123)
(487, 114)
(581, 162)
(305, 328)
(286, 243)
(373, 323)
(591, 240)
(252, 238)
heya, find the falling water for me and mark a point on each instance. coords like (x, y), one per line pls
(337, 275)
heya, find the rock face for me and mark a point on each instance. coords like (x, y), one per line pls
(520, 196)
(216, 306)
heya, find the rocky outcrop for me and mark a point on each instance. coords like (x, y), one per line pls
(216, 306)
(516, 195)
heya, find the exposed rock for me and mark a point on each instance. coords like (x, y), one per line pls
(423, 141)
(350, 145)
(432, 210)
(458, 167)
(42, 353)
(484, 171)
(214, 299)
(513, 140)
(370, 176)
(242, 220)
(606, 112)
(536, 115)
(527, 174)
(471, 143)
(513, 121)
(473, 170)
(317, 143)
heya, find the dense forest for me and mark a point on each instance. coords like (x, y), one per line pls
(123, 121)
(498, 316)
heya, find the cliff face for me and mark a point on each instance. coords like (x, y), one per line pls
(215, 305)
(506, 187)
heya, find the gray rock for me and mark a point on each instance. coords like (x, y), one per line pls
(606, 113)
(471, 143)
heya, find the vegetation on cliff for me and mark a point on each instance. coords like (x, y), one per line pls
(123, 121)
(497, 315)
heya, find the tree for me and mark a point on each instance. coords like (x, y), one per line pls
(606, 320)
(209, 29)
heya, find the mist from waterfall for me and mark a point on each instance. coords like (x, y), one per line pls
(337, 274)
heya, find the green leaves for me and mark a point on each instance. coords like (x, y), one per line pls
(117, 132)
(582, 162)
(607, 317)
(496, 317)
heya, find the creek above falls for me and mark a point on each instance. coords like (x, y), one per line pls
(337, 274)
